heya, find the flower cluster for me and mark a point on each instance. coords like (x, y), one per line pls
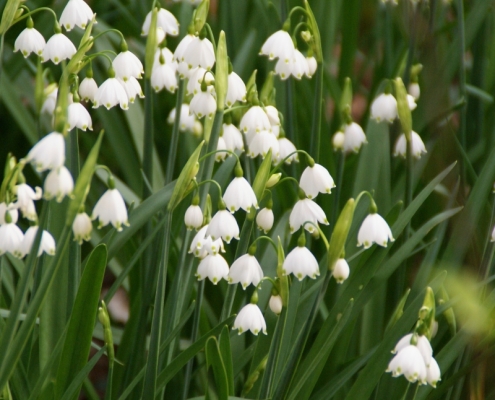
(414, 359)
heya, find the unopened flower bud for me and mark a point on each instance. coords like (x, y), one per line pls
(276, 304)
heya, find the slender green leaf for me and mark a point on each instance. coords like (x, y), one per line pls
(83, 318)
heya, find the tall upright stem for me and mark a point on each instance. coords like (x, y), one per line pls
(172, 153)
(317, 107)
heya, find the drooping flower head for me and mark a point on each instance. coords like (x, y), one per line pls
(316, 179)
(374, 229)
(76, 13)
(30, 41)
(418, 147)
(48, 153)
(301, 262)
(250, 318)
(239, 193)
(111, 208)
(246, 270)
(384, 108)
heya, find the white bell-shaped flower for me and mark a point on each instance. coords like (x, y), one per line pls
(76, 13)
(58, 48)
(312, 66)
(165, 20)
(110, 93)
(299, 65)
(341, 270)
(14, 214)
(254, 121)
(384, 108)
(422, 343)
(79, 117)
(408, 362)
(250, 318)
(306, 212)
(132, 88)
(183, 67)
(316, 179)
(276, 304)
(236, 89)
(163, 54)
(203, 104)
(88, 89)
(186, 119)
(284, 69)
(232, 137)
(246, 270)
(272, 114)
(48, 153)
(262, 143)
(287, 151)
(433, 374)
(221, 154)
(224, 225)
(213, 267)
(196, 77)
(418, 147)
(50, 102)
(47, 243)
(126, 64)
(11, 238)
(414, 90)
(111, 208)
(82, 227)
(25, 200)
(354, 137)
(196, 246)
(265, 219)
(301, 263)
(212, 247)
(193, 217)
(279, 45)
(338, 140)
(240, 194)
(199, 53)
(163, 77)
(30, 41)
(411, 102)
(58, 184)
(374, 229)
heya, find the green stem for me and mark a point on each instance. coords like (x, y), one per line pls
(242, 248)
(207, 170)
(317, 111)
(149, 127)
(172, 153)
(205, 174)
(462, 85)
(338, 187)
(194, 336)
(74, 271)
(149, 389)
(2, 41)
(407, 389)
